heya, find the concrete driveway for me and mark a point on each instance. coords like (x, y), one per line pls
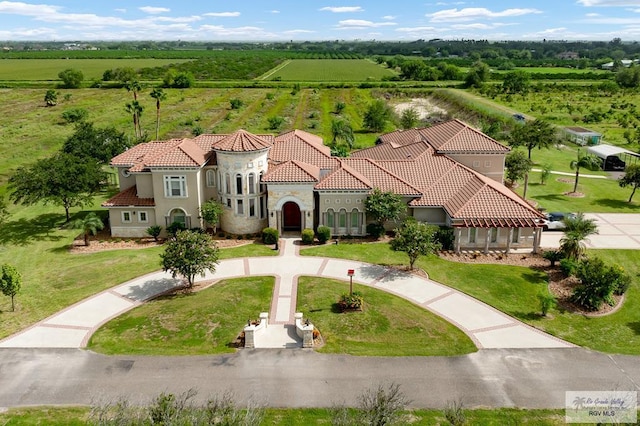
(615, 231)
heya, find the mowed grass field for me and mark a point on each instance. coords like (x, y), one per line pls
(329, 70)
(48, 69)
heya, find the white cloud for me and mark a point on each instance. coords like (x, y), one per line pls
(592, 15)
(19, 8)
(361, 24)
(389, 17)
(223, 14)
(154, 10)
(473, 13)
(275, 11)
(606, 3)
(342, 9)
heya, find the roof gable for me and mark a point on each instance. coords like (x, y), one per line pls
(292, 171)
(243, 141)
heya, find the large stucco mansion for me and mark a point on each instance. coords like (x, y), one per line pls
(449, 174)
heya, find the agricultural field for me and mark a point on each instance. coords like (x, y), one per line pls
(48, 69)
(32, 131)
(329, 70)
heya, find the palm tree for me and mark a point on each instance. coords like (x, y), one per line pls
(577, 229)
(90, 225)
(159, 95)
(587, 161)
(342, 130)
(135, 109)
(133, 86)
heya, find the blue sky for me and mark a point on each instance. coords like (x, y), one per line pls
(269, 20)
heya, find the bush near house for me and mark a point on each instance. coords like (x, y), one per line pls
(307, 236)
(270, 235)
(323, 234)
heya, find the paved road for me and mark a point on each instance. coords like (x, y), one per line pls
(527, 378)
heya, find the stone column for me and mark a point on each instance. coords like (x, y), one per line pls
(487, 240)
(458, 241)
(509, 239)
(537, 235)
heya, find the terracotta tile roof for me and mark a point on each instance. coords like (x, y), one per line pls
(381, 177)
(137, 153)
(186, 153)
(128, 197)
(292, 171)
(456, 136)
(391, 151)
(345, 178)
(302, 146)
(243, 141)
(400, 138)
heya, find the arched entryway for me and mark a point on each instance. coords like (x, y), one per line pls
(291, 218)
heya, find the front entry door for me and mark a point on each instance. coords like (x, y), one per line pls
(291, 220)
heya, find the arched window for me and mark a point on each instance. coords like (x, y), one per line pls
(329, 221)
(227, 181)
(355, 218)
(263, 187)
(211, 178)
(239, 184)
(252, 183)
(178, 216)
(342, 218)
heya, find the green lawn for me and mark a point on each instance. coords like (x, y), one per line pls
(204, 322)
(387, 326)
(514, 290)
(72, 416)
(92, 69)
(330, 70)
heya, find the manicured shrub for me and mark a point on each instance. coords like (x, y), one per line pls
(307, 236)
(351, 302)
(270, 236)
(173, 229)
(568, 267)
(154, 231)
(375, 230)
(444, 235)
(324, 234)
(598, 283)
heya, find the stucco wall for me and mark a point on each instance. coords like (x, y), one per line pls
(134, 228)
(490, 165)
(144, 185)
(190, 204)
(432, 215)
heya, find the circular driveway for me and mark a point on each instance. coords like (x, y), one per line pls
(615, 231)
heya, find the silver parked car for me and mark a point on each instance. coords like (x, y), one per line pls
(555, 221)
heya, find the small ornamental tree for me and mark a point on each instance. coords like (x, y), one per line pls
(384, 206)
(631, 178)
(409, 118)
(598, 283)
(211, 211)
(377, 115)
(189, 254)
(587, 161)
(10, 282)
(517, 165)
(90, 225)
(416, 239)
(154, 231)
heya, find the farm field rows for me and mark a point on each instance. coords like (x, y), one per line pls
(330, 70)
(48, 69)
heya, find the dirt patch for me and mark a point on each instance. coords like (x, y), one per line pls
(574, 194)
(565, 180)
(423, 107)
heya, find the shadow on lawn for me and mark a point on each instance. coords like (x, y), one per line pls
(622, 206)
(635, 326)
(24, 231)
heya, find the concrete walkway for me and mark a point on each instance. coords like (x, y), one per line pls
(487, 327)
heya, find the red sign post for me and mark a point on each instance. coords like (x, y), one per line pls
(351, 273)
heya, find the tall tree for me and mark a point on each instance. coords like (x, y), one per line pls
(159, 95)
(135, 109)
(516, 82)
(416, 239)
(189, 254)
(90, 225)
(532, 134)
(211, 211)
(631, 178)
(384, 206)
(409, 118)
(10, 282)
(63, 179)
(101, 144)
(517, 166)
(341, 130)
(377, 115)
(586, 161)
(477, 75)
